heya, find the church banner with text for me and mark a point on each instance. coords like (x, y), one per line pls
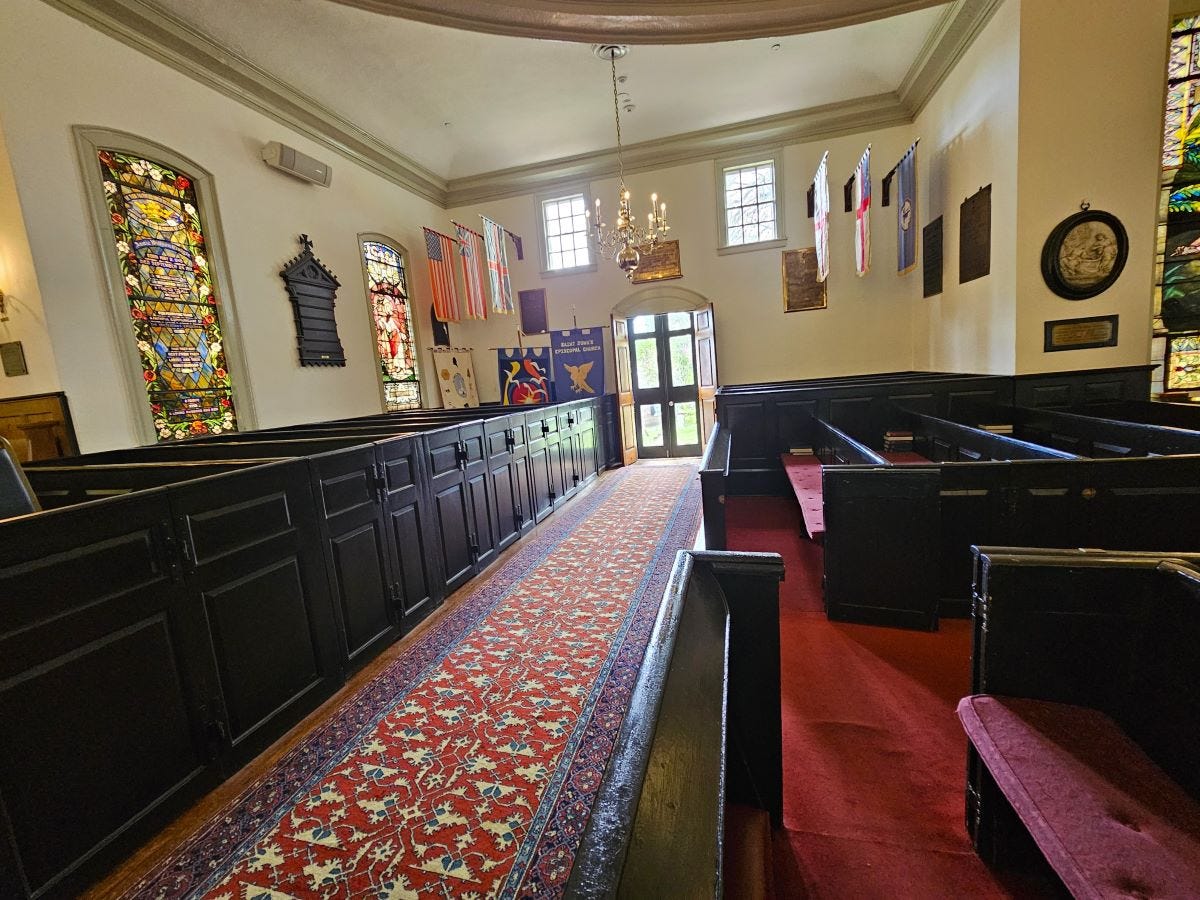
(578, 363)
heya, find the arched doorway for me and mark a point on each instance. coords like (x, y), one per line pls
(665, 352)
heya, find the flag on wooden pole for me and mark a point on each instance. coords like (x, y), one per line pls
(497, 263)
(906, 212)
(440, 248)
(470, 250)
(862, 213)
(821, 216)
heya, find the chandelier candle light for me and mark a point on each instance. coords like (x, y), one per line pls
(627, 241)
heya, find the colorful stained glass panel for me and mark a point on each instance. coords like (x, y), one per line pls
(1183, 363)
(173, 308)
(387, 285)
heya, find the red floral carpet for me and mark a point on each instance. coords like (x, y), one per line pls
(469, 767)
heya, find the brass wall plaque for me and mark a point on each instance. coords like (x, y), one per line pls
(659, 264)
(12, 356)
(1080, 334)
(801, 290)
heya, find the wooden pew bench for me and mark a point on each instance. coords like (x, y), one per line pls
(1082, 727)
(830, 446)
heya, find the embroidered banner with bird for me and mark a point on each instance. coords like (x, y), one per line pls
(578, 362)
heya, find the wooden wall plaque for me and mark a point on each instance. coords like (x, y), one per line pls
(313, 289)
(1080, 334)
(801, 290)
(931, 258)
(659, 264)
(975, 236)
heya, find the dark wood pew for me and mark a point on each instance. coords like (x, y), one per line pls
(1086, 434)
(941, 440)
(830, 446)
(766, 424)
(177, 630)
(1148, 412)
(67, 485)
(695, 738)
(1091, 648)
(151, 644)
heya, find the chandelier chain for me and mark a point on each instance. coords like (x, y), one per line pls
(617, 116)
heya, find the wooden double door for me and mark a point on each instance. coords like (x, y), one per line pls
(666, 378)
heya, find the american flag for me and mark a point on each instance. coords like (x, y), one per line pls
(497, 263)
(445, 292)
(862, 213)
(469, 251)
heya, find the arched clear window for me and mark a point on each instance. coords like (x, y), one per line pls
(391, 316)
(173, 308)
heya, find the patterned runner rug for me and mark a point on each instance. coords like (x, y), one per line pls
(469, 767)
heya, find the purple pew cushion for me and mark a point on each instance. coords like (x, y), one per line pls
(1109, 821)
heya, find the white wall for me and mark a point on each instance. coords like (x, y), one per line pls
(1092, 79)
(18, 280)
(83, 77)
(968, 133)
(864, 329)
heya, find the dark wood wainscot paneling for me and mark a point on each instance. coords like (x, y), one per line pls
(508, 465)
(543, 481)
(417, 569)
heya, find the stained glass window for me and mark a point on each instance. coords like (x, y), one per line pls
(1177, 272)
(1183, 363)
(173, 306)
(387, 284)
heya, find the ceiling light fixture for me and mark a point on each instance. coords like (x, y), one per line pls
(627, 241)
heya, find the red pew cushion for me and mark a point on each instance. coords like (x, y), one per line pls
(804, 472)
(1109, 821)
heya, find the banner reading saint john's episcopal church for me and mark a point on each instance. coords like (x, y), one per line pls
(578, 363)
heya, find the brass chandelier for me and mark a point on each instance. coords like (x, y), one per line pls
(627, 241)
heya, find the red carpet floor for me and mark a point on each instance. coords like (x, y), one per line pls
(874, 757)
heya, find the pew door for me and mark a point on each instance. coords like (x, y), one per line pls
(703, 326)
(628, 428)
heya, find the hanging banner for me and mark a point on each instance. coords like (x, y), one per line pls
(821, 216)
(578, 363)
(524, 376)
(456, 377)
(906, 212)
(862, 213)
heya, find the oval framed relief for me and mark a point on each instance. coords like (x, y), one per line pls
(1085, 254)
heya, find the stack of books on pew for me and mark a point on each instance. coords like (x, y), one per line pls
(801, 451)
(897, 441)
(997, 429)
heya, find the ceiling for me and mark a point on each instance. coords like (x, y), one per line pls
(461, 103)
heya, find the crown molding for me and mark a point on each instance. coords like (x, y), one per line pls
(768, 133)
(159, 34)
(944, 47)
(661, 22)
(146, 27)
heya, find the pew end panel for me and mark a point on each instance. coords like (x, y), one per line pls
(701, 704)
(714, 478)
(881, 544)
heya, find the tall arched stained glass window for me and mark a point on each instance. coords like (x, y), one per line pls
(395, 341)
(172, 301)
(1177, 289)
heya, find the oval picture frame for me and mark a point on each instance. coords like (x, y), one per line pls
(1085, 254)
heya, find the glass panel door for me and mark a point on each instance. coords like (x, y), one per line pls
(664, 390)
